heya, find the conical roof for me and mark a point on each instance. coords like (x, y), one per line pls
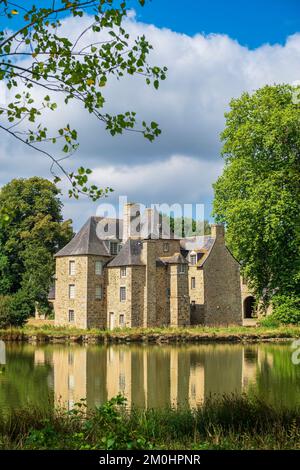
(86, 241)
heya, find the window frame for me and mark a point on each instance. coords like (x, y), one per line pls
(72, 289)
(71, 315)
(182, 269)
(193, 282)
(98, 272)
(193, 257)
(116, 251)
(122, 270)
(72, 263)
(123, 289)
(99, 297)
(122, 324)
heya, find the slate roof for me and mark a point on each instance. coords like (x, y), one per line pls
(202, 245)
(130, 255)
(86, 241)
(177, 258)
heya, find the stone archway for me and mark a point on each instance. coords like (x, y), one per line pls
(249, 306)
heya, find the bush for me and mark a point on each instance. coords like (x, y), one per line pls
(287, 309)
(269, 322)
(15, 309)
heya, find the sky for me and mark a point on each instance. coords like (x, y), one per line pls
(214, 52)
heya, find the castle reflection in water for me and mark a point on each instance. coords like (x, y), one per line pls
(155, 376)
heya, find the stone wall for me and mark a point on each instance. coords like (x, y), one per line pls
(179, 297)
(222, 288)
(162, 296)
(88, 311)
(96, 308)
(63, 304)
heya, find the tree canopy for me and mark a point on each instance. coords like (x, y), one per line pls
(31, 236)
(38, 65)
(258, 194)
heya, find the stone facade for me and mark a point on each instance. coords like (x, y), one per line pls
(146, 282)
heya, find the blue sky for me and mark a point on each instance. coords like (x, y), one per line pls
(214, 50)
(251, 22)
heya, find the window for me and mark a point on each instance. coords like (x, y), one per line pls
(122, 294)
(166, 247)
(168, 292)
(193, 259)
(123, 272)
(71, 291)
(71, 315)
(71, 268)
(193, 283)
(193, 303)
(122, 320)
(71, 382)
(98, 292)
(182, 269)
(113, 248)
(122, 382)
(98, 267)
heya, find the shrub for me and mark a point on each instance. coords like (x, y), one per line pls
(15, 309)
(287, 309)
(4, 310)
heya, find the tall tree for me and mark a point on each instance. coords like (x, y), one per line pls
(258, 194)
(39, 64)
(33, 233)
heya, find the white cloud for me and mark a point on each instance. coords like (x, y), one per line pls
(205, 72)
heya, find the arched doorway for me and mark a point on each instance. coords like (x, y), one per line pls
(249, 306)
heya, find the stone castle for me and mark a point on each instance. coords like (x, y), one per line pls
(139, 276)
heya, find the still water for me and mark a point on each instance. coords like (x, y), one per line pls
(149, 376)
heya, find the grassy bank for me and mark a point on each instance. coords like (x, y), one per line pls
(228, 423)
(50, 333)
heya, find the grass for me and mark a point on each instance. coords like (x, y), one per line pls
(240, 332)
(227, 423)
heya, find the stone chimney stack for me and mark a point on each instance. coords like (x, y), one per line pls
(218, 232)
(131, 221)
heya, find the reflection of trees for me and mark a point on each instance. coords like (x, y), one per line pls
(22, 383)
(278, 379)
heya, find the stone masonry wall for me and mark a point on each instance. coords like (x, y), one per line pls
(179, 299)
(222, 288)
(63, 304)
(162, 296)
(96, 308)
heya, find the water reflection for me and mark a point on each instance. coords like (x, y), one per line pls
(149, 376)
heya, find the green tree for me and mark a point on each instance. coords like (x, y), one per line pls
(31, 236)
(258, 194)
(38, 64)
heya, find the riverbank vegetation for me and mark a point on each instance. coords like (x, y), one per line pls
(50, 333)
(226, 423)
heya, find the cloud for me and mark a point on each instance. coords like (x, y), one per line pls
(205, 72)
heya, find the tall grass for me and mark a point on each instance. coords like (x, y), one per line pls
(227, 423)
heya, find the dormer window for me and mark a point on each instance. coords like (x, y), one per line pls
(193, 259)
(114, 248)
(182, 269)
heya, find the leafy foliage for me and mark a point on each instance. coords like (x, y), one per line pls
(38, 64)
(258, 195)
(15, 309)
(34, 232)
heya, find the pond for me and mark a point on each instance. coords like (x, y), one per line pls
(148, 376)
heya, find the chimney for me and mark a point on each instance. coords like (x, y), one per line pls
(218, 231)
(131, 221)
